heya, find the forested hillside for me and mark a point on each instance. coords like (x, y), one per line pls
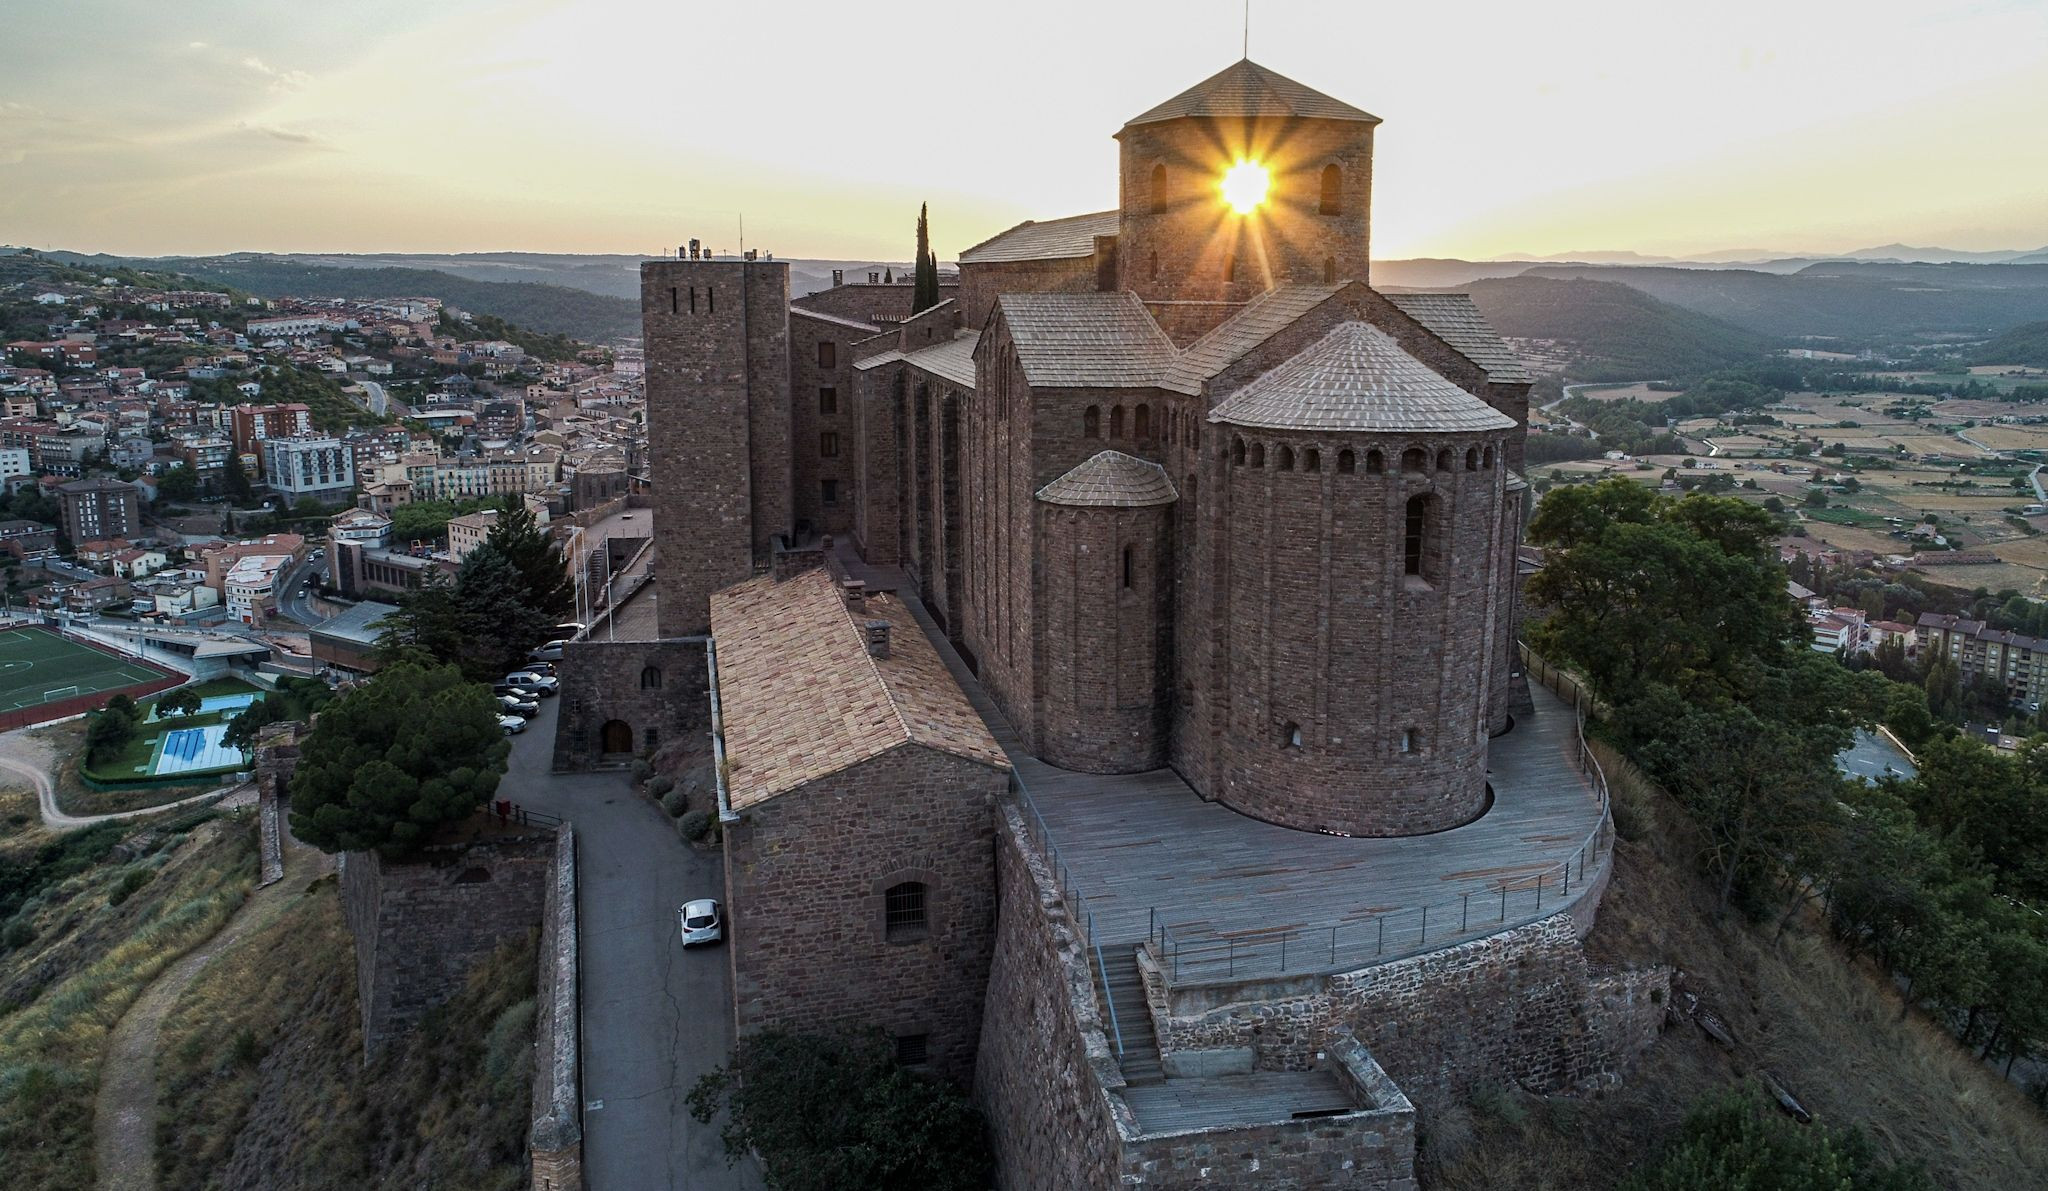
(552, 309)
(2026, 344)
(1616, 332)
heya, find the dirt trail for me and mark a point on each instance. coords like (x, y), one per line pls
(30, 758)
(124, 1125)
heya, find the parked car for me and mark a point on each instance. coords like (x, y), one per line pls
(546, 668)
(512, 725)
(701, 922)
(550, 652)
(516, 690)
(570, 628)
(525, 708)
(546, 684)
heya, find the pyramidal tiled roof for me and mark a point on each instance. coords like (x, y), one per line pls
(1357, 378)
(1247, 89)
(1112, 479)
(1268, 314)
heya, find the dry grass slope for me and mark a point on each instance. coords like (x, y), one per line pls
(100, 936)
(261, 1081)
(1797, 1006)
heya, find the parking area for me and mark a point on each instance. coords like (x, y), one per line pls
(654, 1016)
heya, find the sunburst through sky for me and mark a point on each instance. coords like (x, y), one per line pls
(134, 126)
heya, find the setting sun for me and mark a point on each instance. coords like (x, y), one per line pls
(1244, 186)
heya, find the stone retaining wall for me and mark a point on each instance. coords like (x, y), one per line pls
(1518, 1005)
(556, 1140)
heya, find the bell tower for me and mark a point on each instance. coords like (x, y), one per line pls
(1297, 208)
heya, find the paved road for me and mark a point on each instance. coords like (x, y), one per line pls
(654, 1016)
(292, 603)
(1873, 757)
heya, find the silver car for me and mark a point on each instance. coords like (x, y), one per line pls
(701, 922)
(511, 725)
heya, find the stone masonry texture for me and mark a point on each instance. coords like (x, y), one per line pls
(649, 692)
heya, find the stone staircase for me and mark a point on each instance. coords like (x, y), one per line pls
(1125, 991)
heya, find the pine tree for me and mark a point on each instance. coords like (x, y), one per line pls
(925, 292)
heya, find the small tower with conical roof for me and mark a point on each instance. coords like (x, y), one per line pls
(1181, 241)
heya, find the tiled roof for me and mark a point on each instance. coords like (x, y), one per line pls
(802, 699)
(1086, 340)
(1247, 89)
(1049, 239)
(851, 324)
(1455, 320)
(1357, 378)
(1112, 479)
(952, 361)
(1266, 316)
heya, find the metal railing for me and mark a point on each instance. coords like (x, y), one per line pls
(1185, 954)
(1077, 906)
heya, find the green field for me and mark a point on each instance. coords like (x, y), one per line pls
(37, 667)
(1837, 515)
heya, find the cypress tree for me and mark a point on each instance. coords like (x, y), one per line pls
(925, 293)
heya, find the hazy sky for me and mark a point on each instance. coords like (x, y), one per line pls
(148, 127)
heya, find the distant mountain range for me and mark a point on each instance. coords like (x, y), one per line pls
(1764, 257)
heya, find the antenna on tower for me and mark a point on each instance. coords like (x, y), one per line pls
(743, 224)
(1247, 29)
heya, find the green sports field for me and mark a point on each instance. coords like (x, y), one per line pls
(39, 667)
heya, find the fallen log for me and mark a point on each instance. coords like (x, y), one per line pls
(1786, 1100)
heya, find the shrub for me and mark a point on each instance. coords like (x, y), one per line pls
(676, 802)
(133, 879)
(642, 770)
(17, 935)
(660, 784)
(1735, 1140)
(696, 825)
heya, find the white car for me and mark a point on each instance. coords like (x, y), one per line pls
(700, 922)
(551, 652)
(546, 684)
(511, 724)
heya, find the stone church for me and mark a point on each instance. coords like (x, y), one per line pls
(1114, 674)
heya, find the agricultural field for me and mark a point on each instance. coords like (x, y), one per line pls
(1640, 391)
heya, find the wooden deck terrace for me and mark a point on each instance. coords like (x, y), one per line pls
(1222, 897)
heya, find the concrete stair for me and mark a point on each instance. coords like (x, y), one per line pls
(1126, 992)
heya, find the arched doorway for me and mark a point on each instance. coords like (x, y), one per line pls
(616, 737)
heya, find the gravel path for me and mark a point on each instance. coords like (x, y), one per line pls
(124, 1124)
(31, 758)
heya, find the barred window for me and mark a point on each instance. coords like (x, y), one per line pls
(913, 1050)
(904, 912)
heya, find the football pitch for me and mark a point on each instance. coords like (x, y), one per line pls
(38, 667)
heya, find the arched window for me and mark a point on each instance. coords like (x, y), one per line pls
(1333, 191)
(1159, 196)
(1414, 461)
(1284, 460)
(1128, 566)
(1230, 266)
(1091, 422)
(905, 916)
(1258, 454)
(1290, 735)
(1155, 265)
(1141, 424)
(650, 678)
(1443, 459)
(1347, 462)
(1471, 458)
(1329, 269)
(1237, 453)
(1375, 463)
(828, 354)
(1419, 539)
(1411, 740)
(1116, 421)
(1486, 460)
(1311, 460)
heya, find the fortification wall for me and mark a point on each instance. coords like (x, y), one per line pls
(556, 1137)
(420, 924)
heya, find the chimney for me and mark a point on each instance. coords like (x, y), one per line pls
(878, 638)
(856, 594)
(838, 277)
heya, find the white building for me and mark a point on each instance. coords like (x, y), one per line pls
(14, 462)
(252, 586)
(371, 530)
(319, 466)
